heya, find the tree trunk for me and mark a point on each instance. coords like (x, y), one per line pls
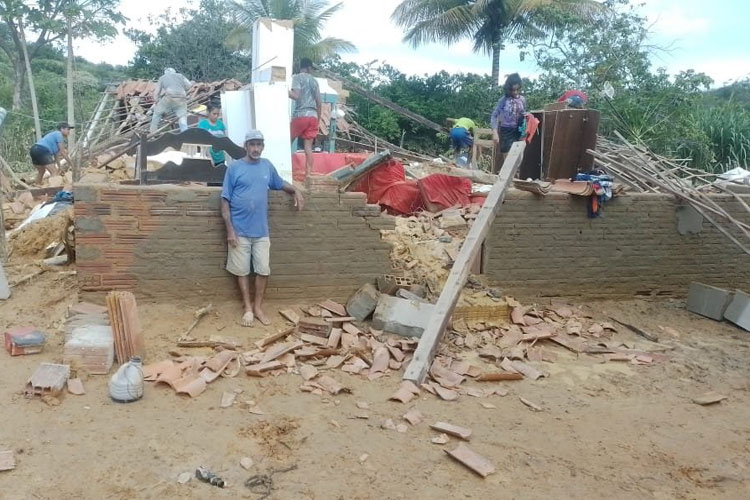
(32, 89)
(19, 73)
(496, 49)
(71, 112)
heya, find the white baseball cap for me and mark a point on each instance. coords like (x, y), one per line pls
(254, 135)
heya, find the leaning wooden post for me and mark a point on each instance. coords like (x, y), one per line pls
(438, 321)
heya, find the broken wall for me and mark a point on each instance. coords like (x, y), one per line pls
(170, 241)
(548, 246)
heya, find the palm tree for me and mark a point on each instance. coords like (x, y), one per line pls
(488, 22)
(309, 17)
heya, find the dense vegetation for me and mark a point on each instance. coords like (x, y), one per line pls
(676, 115)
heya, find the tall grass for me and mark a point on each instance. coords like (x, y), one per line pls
(727, 127)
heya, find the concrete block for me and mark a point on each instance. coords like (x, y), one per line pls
(738, 311)
(708, 301)
(363, 302)
(402, 317)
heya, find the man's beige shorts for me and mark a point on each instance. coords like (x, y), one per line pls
(250, 255)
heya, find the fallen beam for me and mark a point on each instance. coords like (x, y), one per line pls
(383, 101)
(478, 176)
(347, 177)
(438, 321)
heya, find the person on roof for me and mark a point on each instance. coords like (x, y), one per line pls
(214, 124)
(174, 87)
(462, 136)
(46, 153)
(306, 95)
(244, 208)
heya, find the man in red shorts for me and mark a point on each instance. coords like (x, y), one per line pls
(306, 94)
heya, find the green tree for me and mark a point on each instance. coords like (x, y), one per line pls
(309, 17)
(649, 105)
(47, 19)
(489, 23)
(192, 42)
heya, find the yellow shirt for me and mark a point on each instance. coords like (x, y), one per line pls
(466, 123)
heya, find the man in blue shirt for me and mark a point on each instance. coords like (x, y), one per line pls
(46, 153)
(244, 208)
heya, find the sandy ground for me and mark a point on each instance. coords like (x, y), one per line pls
(606, 430)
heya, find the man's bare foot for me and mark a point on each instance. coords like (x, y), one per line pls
(262, 316)
(247, 319)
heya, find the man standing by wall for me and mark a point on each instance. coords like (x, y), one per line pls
(306, 94)
(174, 86)
(244, 208)
(46, 153)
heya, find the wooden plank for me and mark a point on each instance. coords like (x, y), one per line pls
(383, 101)
(348, 176)
(459, 274)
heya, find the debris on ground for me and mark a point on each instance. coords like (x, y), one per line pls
(205, 475)
(48, 379)
(24, 340)
(7, 460)
(709, 398)
(469, 458)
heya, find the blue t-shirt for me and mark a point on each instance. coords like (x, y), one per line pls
(246, 188)
(52, 141)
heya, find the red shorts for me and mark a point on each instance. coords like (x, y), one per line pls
(305, 127)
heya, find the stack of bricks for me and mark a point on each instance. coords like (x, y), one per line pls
(547, 245)
(170, 241)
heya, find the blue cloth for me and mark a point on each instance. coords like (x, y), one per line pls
(461, 138)
(602, 184)
(246, 188)
(52, 141)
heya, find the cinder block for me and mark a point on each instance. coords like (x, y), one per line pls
(363, 302)
(738, 311)
(708, 301)
(402, 317)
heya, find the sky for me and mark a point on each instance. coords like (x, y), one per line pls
(705, 36)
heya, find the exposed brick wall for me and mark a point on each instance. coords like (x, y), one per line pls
(170, 241)
(548, 246)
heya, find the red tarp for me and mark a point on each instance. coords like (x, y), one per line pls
(387, 186)
(441, 191)
(324, 163)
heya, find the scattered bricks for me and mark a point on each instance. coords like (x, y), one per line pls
(402, 317)
(367, 211)
(738, 311)
(363, 302)
(452, 222)
(708, 301)
(314, 326)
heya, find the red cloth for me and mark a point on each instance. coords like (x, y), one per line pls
(570, 93)
(402, 198)
(324, 163)
(304, 127)
(532, 124)
(441, 191)
(376, 182)
(388, 187)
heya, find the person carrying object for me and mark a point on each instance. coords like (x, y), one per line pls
(244, 208)
(308, 103)
(508, 116)
(170, 96)
(462, 136)
(214, 124)
(47, 152)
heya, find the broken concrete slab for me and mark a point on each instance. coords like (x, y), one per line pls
(364, 301)
(708, 301)
(738, 311)
(403, 317)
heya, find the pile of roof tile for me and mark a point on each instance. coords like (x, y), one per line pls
(123, 314)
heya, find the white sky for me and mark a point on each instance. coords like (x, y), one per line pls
(712, 40)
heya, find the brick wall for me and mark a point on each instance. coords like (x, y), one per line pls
(548, 246)
(170, 241)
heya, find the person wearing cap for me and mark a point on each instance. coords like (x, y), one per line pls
(46, 153)
(174, 86)
(244, 208)
(306, 95)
